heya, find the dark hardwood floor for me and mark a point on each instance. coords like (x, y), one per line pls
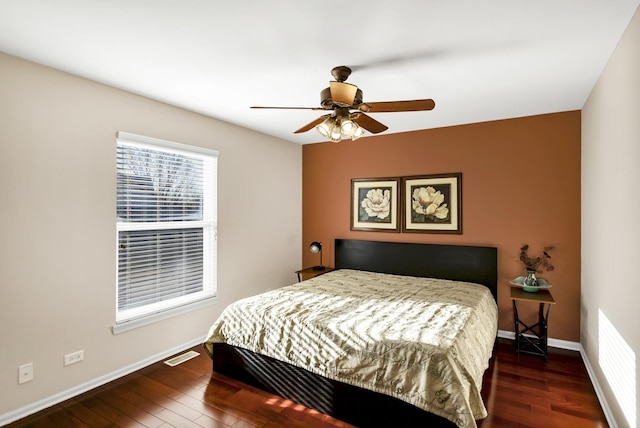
(520, 391)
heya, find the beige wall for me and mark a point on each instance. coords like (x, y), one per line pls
(610, 208)
(520, 184)
(57, 238)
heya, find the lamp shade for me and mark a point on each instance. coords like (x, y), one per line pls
(315, 247)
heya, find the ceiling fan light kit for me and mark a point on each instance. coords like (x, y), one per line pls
(341, 97)
(339, 125)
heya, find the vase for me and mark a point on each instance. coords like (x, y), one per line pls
(530, 283)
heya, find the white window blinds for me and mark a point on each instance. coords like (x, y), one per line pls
(166, 225)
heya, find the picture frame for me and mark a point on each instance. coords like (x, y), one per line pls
(375, 204)
(432, 203)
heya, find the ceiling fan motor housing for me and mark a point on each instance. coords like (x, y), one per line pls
(328, 103)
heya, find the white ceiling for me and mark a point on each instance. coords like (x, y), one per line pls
(479, 60)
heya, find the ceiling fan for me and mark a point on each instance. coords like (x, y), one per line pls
(341, 98)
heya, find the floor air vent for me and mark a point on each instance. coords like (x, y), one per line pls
(181, 358)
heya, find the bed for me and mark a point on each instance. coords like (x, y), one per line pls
(369, 394)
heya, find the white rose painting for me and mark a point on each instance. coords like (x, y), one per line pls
(432, 203)
(428, 204)
(374, 204)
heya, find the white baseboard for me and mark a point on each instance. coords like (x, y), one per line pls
(554, 343)
(52, 400)
(599, 392)
(576, 346)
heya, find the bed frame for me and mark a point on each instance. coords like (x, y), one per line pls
(351, 404)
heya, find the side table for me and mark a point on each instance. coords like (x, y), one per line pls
(311, 272)
(532, 339)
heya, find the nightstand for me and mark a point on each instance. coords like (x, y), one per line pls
(311, 272)
(532, 339)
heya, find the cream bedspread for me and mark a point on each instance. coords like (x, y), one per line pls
(425, 341)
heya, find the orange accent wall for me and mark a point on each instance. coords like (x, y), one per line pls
(520, 184)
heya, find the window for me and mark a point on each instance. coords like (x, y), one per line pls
(166, 226)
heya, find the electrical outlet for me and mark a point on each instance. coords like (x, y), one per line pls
(25, 373)
(74, 357)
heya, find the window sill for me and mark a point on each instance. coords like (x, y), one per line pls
(123, 326)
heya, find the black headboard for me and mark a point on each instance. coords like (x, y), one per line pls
(455, 262)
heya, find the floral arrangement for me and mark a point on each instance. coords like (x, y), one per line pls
(536, 264)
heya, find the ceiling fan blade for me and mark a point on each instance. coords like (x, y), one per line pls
(310, 125)
(290, 108)
(368, 123)
(343, 94)
(397, 106)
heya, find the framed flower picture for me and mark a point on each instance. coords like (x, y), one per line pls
(375, 204)
(432, 203)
